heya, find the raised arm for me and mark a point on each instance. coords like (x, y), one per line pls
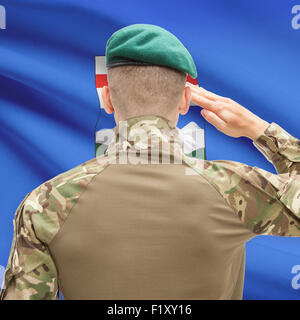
(229, 117)
(267, 203)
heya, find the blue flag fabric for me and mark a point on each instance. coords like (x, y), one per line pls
(248, 51)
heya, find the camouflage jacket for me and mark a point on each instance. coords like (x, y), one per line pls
(266, 203)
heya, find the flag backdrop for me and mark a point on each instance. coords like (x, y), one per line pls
(192, 133)
(246, 50)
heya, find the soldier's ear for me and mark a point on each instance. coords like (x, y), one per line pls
(107, 105)
(185, 101)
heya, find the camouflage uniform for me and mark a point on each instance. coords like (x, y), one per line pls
(265, 203)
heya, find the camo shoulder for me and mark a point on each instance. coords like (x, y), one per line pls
(48, 206)
(31, 272)
(256, 196)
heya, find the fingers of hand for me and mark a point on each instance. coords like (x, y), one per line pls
(223, 108)
(227, 116)
(205, 93)
(213, 119)
(204, 102)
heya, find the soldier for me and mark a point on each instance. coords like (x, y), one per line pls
(136, 229)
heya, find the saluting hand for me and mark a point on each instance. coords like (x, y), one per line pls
(227, 115)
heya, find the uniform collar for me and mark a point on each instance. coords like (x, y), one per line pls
(146, 132)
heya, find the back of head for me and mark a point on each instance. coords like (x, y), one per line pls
(137, 90)
(147, 70)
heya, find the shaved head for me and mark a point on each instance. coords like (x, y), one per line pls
(138, 90)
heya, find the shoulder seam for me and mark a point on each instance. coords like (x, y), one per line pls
(224, 199)
(211, 184)
(68, 214)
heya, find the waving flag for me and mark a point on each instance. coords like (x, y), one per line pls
(245, 50)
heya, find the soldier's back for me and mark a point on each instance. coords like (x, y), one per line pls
(144, 221)
(150, 231)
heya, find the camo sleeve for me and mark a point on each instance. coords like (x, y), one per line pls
(280, 148)
(266, 203)
(30, 273)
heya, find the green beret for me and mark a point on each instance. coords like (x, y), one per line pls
(146, 44)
